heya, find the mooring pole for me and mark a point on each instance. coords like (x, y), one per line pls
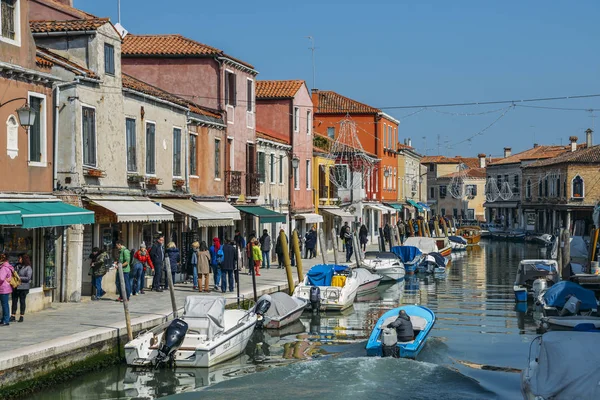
(125, 301)
(171, 287)
(322, 246)
(335, 249)
(297, 254)
(287, 262)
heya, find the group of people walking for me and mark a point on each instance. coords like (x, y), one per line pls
(15, 282)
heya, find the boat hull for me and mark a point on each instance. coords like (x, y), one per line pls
(371, 285)
(284, 321)
(332, 299)
(393, 273)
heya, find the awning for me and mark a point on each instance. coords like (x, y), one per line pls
(415, 205)
(9, 215)
(425, 206)
(310, 218)
(389, 210)
(380, 208)
(133, 209)
(409, 208)
(265, 215)
(395, 206)
(221, 207)
(204, 215)
(501, 204)
(338, 212)
(48, 214)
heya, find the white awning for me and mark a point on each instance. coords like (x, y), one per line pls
(310, 218)
(221, 207)
(205, 216)
(390, 210)
(133, 209)
(338, 212)
(380, 207)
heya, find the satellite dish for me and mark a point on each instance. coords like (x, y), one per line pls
(122, 31)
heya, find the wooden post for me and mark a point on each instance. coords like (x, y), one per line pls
(392, 238)
(445, 226)
(171, 287)
(356, 249)
(566, 241)
(286, 260)
(381, 240)
(559, 251)
(322, 246)
(436, 225)
(297, 255)
(125, 301)
(410, 228)
(335, 249)
(593, 243)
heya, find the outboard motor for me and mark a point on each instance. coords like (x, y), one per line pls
(261, 307)
(315, 298)
(571, 307)
(389, 342)
(539, 286)
(172, 340)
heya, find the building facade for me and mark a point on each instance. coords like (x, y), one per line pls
(412, 179)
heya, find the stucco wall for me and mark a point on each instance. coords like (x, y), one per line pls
(274, 117)
(303, 149)
(204, 182)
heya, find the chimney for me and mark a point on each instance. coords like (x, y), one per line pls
(588, 138)
(481, 160)
(507, 152)
(535, 145)
(409, 142)
(573, 140)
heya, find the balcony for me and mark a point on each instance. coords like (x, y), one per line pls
(252, 184)
(233, 183)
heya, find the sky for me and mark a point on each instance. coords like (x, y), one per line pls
(392, 54)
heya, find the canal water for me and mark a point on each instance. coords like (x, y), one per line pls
(478, 346)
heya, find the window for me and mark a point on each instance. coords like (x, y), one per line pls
(455, 212)
(296, 183)
(261, 167)
(540, 188)
(37, 132)
(558, 187)
(578, 187)
(150, 148)
(546, 187)
(193, 148)
(88, 129)
(250, 94)
(443, 189)
(471, 214)
(517, 188)
(131, 144)
(432, 193)
(109, 59)
(331, 132)
(217, 159)
(443, 212)
(12, 136)
(308, 174)
(296, 119)
(471, 190)
(9, 20)
(281, 169)
(272, 167)
(384, 136)
(390, 137)
(528, 189)
(176, 152)
(431, 167)
(308, 122)
(230, 92)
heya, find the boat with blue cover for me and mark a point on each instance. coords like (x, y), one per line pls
(458, 243)
(410, 256)
(434, 263)
(533, 277)
(422, 319)
(568, 298)
(329, 287)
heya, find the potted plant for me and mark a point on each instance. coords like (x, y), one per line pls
(153, 181)
(94, 172)
(178, 182)
(134, 178)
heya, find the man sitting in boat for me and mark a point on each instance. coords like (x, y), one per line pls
(403, 327)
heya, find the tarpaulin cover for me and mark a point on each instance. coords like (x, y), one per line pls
(320, 275)
(205, 307)
(457, 239)
(426, 245)
(530, 270)
(578, 247)
(567, 367)
(438, 259)
(557, 295)
(406, 253)
(281, 305)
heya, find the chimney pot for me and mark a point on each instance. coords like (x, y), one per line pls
(507, 152)
(588, 138)
(481, 160)
(409, 142)
(573, 140)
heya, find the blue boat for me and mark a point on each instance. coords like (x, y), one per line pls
(411, 256)
(422, 319)
(557, 297)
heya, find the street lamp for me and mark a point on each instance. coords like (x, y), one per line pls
(295, 163)
(26, 116)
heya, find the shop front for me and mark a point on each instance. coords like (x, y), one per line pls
(225, 210)
(257, 218)
(333, 219)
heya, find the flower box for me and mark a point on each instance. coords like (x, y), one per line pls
(93, 172)
(178, 182)
(135, 178)
(153, 181)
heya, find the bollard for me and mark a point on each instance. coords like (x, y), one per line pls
(335, 249)
(125, 301)
(297, 255)
(171, 287)
(356, 249)
(322, 246)
(287, 262)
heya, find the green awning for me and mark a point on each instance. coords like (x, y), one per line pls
(396, 206)
(9, 215)
(265, 215)
(415, 205)
(48, 214)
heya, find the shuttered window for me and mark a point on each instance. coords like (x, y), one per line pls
(88, 128)
(131, 144)
(261, 167)
(7, 21)
(109, 59)
(176, 152)
(193, 149)
(35, 131)
(150, 148)
(230, 89)
(217, 159)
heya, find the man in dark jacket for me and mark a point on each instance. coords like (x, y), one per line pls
(228, 265)
(157, 255)
(100, 263)
(311, 243)
(403, 327)
(386, 232)
(265, 247)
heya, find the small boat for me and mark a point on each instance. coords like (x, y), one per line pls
(410, 256)
(457, 243)
(328, 287)
(284, 310)
(533, 276)
(367, 281)
(425, 244)
(444, 246)
(386, 264)
(434, 263)
(516, 235)
(204, 336)
(568, 323)
(562, 365)
(472, 234)
(567, 298)
(545, 239)
(422, 319)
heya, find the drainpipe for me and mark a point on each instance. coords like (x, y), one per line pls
(63, 272)
(55, 130)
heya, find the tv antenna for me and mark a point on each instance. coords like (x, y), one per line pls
(312, 48)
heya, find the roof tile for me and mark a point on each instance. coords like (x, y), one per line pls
(583, 156)
(535, 153)
(277, 89)
(333, 103)
(58, 5)
(129, 82)
(90, 24)
(53, 58)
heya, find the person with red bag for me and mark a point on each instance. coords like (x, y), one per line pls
(143, 257)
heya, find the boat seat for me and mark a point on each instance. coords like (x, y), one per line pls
(200, 325)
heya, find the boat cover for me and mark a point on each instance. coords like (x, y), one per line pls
(530, 270)
(557, 295)
(209, 308)
(406, 253)
(568, 366)
(425, 244)
(457, 239)
(363, 276)
(320, 275)
(281, 305)
(437, 258)
(578, 248)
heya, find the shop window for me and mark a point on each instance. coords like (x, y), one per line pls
(578, 189)
(50, 238)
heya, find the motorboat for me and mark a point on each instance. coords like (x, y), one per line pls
(516, 235)
(434, 263)
(458, 243)
(534, 276)
(444, 246)
(284, 310)
(429, 245)
(328, 287)
(410, 257)
(567, 298)
(367, 281)
(205, 335)
(562, 365)
(545, 239)
(387, 264)
(472, 234)
(383, 340)
(568, 323)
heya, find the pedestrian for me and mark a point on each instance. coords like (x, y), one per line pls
(363, 236)
(193, 261)
(124, 262)
(265, 246)
(279, 249)
(215, 249)
(99, 266)
(249, 255)
(228, 265)
(6, 276)
(311, 243)
(240, 244)
(401, 231)
(386, 232)
(157, 255)
(343, 230)
(203, 263)
(23, 269)
(174, 259)
(145, 260)
(348, 241)
(256, 256)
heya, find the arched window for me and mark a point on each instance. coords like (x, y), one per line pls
(528, 189)
(12, 136)
(578, 188)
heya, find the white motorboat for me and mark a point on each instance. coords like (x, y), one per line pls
(386, 264)
(556, 323)
(206, 335)
(329, 287)
(458, 243)
(284, 310)
(534, 276)
(367, 281)
(434, 263)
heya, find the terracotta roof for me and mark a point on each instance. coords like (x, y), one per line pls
(582, 156)
(54, 58)
(204, 111)
(170, 45)
(129, 82)
(318, 150)
(535, 153)
(471, 162)
(43, 63)
(58, 5)
(473, 173)
(89, 24)
(261, 133)
(277, 89)
(334, 103)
